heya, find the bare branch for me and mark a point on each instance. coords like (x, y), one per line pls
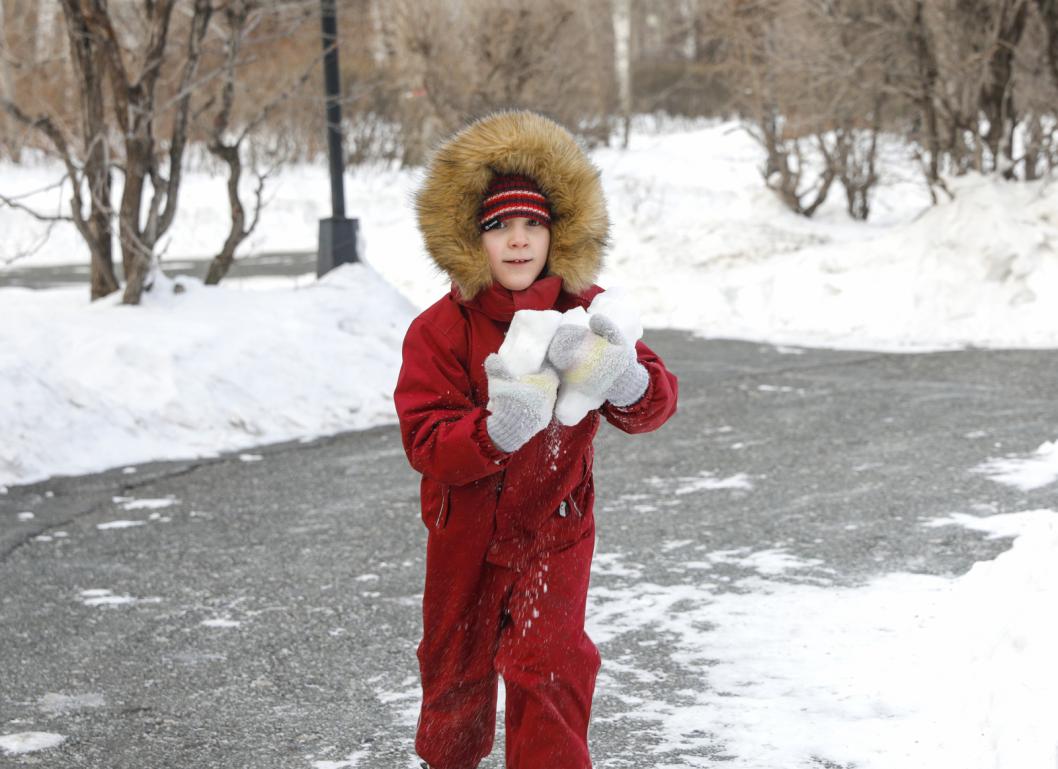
(13, 203)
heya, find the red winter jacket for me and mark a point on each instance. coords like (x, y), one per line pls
(441, 395)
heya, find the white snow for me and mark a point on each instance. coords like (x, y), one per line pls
(771, 562)
(525, 345)
(58, 703)
(221, 622)
(148, 504)
(908, 671)
(349, 762)
(103, 597)
(708, 482)
(29, 742)
(119, 525)
(26, 516)
(1026, 473)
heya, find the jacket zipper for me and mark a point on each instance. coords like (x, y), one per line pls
(440, 515)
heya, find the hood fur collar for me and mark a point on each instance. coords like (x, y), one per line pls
(519, 142)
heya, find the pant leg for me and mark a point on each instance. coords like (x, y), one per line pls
(462, 607)
(548, 663)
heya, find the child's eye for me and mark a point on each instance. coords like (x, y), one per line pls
(534, 222)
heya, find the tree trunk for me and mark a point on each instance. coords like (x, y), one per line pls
(86, 54)
(928, 73)
(997, 93)
(7, 84)
(622, 34)
(1049, 14)
(222, 262)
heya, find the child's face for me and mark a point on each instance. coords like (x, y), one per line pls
(517, 250)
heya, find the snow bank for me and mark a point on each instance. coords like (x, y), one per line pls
(89, 386)
(909, 671)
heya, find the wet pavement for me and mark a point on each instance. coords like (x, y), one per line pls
(261, 609)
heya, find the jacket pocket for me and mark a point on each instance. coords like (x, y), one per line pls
(583, 495)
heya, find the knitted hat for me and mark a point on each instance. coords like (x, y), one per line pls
(511, 195)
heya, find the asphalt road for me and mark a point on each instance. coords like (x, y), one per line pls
(264, 613)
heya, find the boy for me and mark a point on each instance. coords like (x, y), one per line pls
(512, 210)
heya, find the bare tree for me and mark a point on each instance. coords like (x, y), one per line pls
(241, 19)
(87, 162)
(101, 56)
(458, 61)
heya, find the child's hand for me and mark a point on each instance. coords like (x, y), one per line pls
(521, 406)
(598, 362)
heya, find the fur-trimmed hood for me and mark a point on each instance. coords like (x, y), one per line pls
(514, 142)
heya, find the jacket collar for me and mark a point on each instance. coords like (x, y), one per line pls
(500, 303)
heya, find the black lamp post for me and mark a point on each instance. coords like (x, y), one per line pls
(337, 234)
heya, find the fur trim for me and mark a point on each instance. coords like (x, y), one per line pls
(513, 142)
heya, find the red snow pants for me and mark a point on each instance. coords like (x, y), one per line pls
(525, 623)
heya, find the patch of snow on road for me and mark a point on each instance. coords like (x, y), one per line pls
(119, 525)
(251, 457)
(29, 742)
(709, 482)
(767, 562)
(100, 597)
(910, 670)
(404, 700)
(25, 516)
(148, 504)
(56, 703)
(220, 622)
(349, 762)
(1035, 471)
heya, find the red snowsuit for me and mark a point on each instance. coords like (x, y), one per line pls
(510, 540)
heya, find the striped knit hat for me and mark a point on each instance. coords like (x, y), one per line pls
(511, 195)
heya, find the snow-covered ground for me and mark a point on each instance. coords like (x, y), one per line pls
(908, 671)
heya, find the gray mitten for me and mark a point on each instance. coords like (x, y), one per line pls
(520, 406)
(631, 383)
(597, 364)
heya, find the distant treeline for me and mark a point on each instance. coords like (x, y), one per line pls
(120, 91)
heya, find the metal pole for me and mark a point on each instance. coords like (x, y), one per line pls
(338, 235)
(334, 107)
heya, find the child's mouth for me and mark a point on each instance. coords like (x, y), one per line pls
(518, 261)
